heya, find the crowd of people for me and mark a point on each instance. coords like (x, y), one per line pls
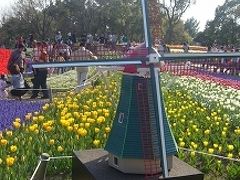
(32, 51)
(67, 49)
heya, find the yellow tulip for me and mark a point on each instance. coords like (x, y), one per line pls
(207, 132)
(81, 124)
(105, 135)
(205, 143)
(36, 113)
(107, 129)
(45, 107)
(1, 161)
(49, 128)
(13, 148)
(18, 120)
(109, 104)
(28, 116)
(4, 142)
(96, 130)
(182, 120)
(182, 144)
(84, 118)
(51, 141)
(223, 134)
(94, 104)
(96, 142)
(99, 111)
(10, 161)
(195, 146)
(60, 149)
(87, 125)
(106, 114)
(230, 155)
(16, 124)
(70, 128)
(82, 132)
(230, 147)
(32, 128)
(75, 126)
(210, 150)
(9, 133)
(220, 148)
(35, 118)
(100, 119)
(192, 154)
(215, 145)
(180, 139)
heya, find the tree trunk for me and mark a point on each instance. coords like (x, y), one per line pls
(169, 33)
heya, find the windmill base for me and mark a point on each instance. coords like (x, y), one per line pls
(137, 166)
(93, 164)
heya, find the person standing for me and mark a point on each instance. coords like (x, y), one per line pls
(58, 37)
(82, 54)
(185, 47)
(40, 78)
(16, 58)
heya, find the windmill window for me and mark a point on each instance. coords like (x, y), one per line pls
(121, 118)
(115, 161)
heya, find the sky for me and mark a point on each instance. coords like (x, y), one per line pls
(203, 10)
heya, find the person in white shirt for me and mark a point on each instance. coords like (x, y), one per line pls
(81, 53)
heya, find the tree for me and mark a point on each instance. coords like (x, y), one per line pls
(44, 17)
(192, 26)
(35, 16)
(224, 29)
(174, 10)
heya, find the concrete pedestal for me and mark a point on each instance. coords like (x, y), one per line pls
(93, 164)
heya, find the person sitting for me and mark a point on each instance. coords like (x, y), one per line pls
(3, 86)
(20, 86)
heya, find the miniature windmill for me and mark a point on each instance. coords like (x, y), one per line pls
(141, 141)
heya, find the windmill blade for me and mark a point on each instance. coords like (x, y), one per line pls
(87, 63)
(192, 56)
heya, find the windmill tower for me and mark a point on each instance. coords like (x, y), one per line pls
(141, 141)
(135, 140)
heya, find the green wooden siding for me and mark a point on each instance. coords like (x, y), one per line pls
(125, 138)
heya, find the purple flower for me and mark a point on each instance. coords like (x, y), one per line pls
(11, 109)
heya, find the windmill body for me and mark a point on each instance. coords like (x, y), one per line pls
(133, 143)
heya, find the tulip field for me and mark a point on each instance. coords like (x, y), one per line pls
(203, 110)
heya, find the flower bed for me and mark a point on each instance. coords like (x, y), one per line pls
(199, 118)
(204, 117)
(11, 109)
(73, 121)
